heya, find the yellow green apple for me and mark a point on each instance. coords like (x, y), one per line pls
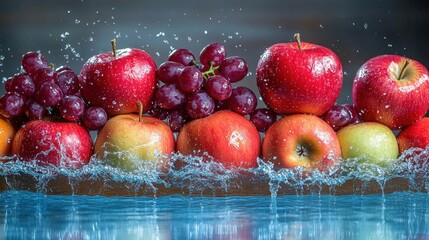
(369, 142)
(129, 142)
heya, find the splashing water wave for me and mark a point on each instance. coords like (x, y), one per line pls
(191, 175)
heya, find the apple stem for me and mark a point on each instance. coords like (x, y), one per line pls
(401, 74)
(114, 47)
(140, 107)
(297, 37)
(52, 66)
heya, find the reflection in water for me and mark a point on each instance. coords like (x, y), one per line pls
(26, 215)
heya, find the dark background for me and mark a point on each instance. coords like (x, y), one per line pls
(69, 32)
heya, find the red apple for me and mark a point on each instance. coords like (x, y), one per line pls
(414, 136)
(228, 137)
(117, 80)
(299, 77)
(301, 140)
(58, 143)
(128, 141)
(392, 90)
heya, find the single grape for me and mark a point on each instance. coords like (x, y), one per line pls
(160, 113)
(218, 87)
(199, 104)
(169, 97)
(23, 84)
(49, 94)
(62, 68)
(44, 75)
(34, 111)
(339, 116)
(12, 105)
(68, 81)
(182, 56)
(242, 100)
(33, 61)
(263, 118)
(234, 68)
(212, 54)
(71, 108)
(176, 119)
(94, 118)
(168, 72)
(190, 80)
(8, 85)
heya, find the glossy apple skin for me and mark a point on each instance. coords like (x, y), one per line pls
(414, 136)
(124, 141)
(118, 83)
(379, 97)
(228, 137)
(284, 139)
(371, 141)
(291, 80)
(58, 143)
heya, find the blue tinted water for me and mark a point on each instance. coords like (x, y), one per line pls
(26, 215)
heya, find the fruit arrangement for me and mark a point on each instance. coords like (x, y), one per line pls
(143, 112)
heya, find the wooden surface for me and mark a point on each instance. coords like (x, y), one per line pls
(62, 185)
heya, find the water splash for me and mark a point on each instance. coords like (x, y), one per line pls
(192, 175)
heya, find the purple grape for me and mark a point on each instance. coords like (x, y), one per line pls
(62, 68)
(168, 72)
(218, 87)
(33, 61)
(34, 111)
(213, 53)
(8, 85)
(176, 120)
(234, 68)
(71, 108)
(182, 56)
(160, 113)
(68, 81)
(199, 104)
(242, 100)
(169, 97)
(190, 80)
(12, 105)
(49, 94)
(339, 116)
(263, 118)
(220, 105)
(94, 118)
(23, 84)
(44, 75)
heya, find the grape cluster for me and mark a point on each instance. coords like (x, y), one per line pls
(40, 90)
(191, 90)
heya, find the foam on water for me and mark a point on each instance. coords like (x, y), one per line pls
(194, 175)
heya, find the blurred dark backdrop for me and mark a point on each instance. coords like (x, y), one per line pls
(69, 32)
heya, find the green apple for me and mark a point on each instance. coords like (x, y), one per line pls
(369, 142)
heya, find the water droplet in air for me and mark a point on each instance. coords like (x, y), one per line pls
(64, 35)
(77, 21)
